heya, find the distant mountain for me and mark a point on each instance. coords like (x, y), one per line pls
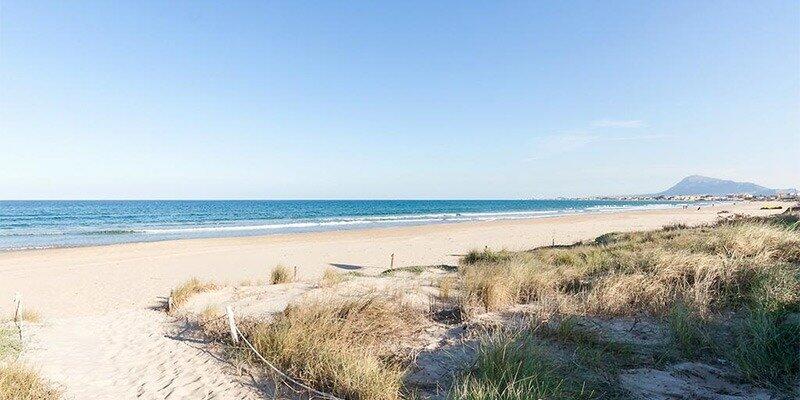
(700, 185)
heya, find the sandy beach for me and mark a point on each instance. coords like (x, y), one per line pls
(102, 335)
(96, 280)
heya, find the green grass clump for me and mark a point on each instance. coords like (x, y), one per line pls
(517, 368)
(416, 270)
(485, 256)
(767, 350)
(689, 332)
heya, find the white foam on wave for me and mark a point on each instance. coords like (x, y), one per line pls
(394, 220)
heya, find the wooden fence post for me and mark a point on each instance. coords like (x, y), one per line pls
(232, 325)
(18, 311)
(391, 262)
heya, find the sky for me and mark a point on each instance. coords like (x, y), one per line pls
(406, 99)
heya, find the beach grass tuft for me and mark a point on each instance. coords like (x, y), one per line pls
(18, 382)
(281, 274)
(341, 346)
(331, 277)
(183, 292)
(767, 349)
(690, 334)
(517, 367)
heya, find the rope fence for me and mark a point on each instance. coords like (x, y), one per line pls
(236, 334)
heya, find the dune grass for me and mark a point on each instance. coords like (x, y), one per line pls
(446, 286)
(184, 291)
(341, 346)
(18, 382)
(9, 342)
(688, 276)
(32, 316)
(767, 349)
(708, 268)
(281, 274)
(691, 336)
(331, 277)
(518, 367)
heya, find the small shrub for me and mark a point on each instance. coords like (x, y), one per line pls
(16, 381)
(9, 342)
(32, 316)
(281, 274)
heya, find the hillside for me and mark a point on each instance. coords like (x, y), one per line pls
(700, 185)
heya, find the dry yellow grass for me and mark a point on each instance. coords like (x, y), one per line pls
(18, 382)
(186, 290)
(28, 315)
(281, 274)
(342, 346)
(32, 316)
(446, 286)
(730, 264)
(749, 268)
(331, 277)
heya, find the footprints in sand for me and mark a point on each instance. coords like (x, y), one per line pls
(130, 355)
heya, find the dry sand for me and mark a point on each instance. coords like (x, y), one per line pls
(100, 338)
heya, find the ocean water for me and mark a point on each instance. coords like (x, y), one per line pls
(43, 224)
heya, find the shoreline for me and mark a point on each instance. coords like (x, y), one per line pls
(501, 216)
(99, 279)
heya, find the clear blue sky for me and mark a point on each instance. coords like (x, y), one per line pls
(345, 99)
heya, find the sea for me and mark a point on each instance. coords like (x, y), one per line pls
(46, 224)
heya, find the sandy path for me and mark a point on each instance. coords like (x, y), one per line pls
(129, 355)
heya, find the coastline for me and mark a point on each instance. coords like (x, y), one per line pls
(99, 279)
(61, 224)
